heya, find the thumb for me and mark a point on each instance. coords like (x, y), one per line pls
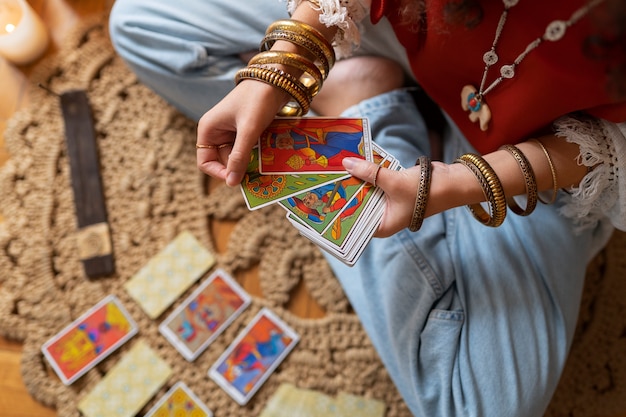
(365, 170)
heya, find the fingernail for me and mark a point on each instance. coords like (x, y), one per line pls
(232, 179)
(348, 163)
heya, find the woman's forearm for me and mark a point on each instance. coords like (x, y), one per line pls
(454, 185)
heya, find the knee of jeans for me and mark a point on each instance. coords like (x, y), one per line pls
(120, 19)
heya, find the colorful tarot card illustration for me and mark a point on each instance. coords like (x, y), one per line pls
(313, 144)
(129, 384)
(89, 339)
(262, 190)
(318, 208)
(179, 401)
(169, 273)
(324, 206)
(204, 314)
(253, 356)
(348, 215)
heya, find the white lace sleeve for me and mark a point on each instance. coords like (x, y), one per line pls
(602, 192)
(345, 15)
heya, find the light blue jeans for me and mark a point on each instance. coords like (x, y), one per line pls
(468, 320)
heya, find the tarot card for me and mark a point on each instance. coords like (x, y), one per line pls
(179, 401)
(169, 273)
(351, 216)
(312, 403)
(205, 314)
(89, 339)
(349, 243)
(313, 144)
(262, 190)
(253, 356)
(128, 386)
(318, 208)
(350, 232)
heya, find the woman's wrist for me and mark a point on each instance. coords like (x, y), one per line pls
(452, 185)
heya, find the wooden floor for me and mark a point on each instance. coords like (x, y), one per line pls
(60, 16)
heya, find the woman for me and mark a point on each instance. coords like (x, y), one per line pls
(468, 319)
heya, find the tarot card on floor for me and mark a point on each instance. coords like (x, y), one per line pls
(128, 386)
(179, 401)
(194, 324)
(252, 357)
(89, 339)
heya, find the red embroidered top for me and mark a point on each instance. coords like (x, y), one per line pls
(554, 79)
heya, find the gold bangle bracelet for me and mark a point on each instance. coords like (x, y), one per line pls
(492, 189)
(288, 76)
(273, 77)
(529, 180)
(300, 40)
(311, 78)
(292, 25)
(423, 190)
(555, 184)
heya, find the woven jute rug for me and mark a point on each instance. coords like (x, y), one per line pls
(153, 191)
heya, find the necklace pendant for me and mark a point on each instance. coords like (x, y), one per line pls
(479, 110)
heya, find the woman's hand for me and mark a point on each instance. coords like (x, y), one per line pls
(400, 189)
(233, 128)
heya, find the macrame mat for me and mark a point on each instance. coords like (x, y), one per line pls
(154, 191)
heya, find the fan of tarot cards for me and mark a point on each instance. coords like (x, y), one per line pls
(297, 164)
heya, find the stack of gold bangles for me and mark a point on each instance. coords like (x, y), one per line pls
(312, 70)
(493, 191)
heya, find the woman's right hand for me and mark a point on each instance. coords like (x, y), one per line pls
(233, 128)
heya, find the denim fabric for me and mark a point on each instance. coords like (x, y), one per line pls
(468, 320)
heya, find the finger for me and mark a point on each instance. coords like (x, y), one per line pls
(209, 161)
(365, 170)
(240, 154)
(237, 163)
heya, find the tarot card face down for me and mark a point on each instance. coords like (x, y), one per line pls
(179, 401)
(253, 356)
(205, 314)
(313, 145)
(261, 190)
(128, 386)
(169, 273)
(89, 339)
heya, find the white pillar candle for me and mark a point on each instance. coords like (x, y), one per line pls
(23, 36)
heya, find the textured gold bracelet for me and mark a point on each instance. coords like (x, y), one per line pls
(492, 188)
(273, 76)
(311, 78)
(301, 40)
(423, 189)
(301, 28)
(529, 180)
(555, 184)
(284, 74)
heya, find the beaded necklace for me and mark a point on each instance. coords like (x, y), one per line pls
(473, 99)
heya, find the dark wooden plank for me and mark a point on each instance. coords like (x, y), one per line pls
(94, 241)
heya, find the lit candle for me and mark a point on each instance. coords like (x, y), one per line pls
(23, 36)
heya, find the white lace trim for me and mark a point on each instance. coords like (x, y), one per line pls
(602, 192)
(345, 15)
